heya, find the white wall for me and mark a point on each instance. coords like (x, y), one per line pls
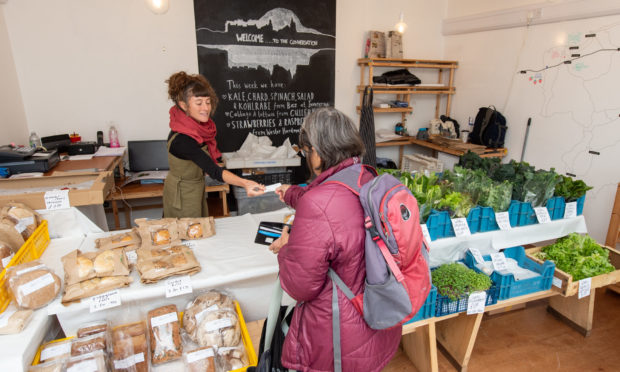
(572, 111)
(12, 115)
(84, 64)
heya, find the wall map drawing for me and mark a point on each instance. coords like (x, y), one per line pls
(270, 63)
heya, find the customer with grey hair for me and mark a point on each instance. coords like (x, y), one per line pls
(328, 232)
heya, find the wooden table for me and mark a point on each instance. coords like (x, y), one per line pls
(407, 140)
(153, 190)
(95, 164)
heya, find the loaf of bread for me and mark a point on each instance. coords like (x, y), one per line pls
(196, 228)
(200, 360)
(24, 217)
(219, 328)
(92, 362)
(165, 334)
(32, 285)
(129, 348)
(51, 366)
(230, 358)
(93, 287)
(14, 321)
(92, 328)
(198, 307)
(10, 235)
(6, 253)
(88, 344)
(119, 240)
(157, 264)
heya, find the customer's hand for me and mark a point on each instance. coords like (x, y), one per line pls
(280, 242)
(253, 188)
(281, 191)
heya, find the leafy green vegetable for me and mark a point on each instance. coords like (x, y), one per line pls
(458, 204)
(482, 190)
(578, 255)
(540, 187)
(456, 280)
(571, 190)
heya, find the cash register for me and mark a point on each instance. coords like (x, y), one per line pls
(21, 159)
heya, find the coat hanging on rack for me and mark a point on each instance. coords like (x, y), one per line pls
(367, 128)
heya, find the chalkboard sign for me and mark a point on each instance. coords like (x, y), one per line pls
(270, 62)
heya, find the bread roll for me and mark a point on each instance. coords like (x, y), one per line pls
(161, 237)
(197, 309)
(35, 289)
(104, 263)
(219, 328)
(194, 231)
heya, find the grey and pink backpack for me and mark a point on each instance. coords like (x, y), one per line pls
(397, 269)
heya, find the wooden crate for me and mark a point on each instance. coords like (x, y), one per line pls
(102, 183)
(570, 287)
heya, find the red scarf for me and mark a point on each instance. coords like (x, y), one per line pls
(180, 122)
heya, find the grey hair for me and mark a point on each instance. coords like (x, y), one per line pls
(332, 135)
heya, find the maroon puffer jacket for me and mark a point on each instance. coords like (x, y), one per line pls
(328, 231)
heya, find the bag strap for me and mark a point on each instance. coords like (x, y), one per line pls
(486, 121)
(274, 311)
(337, 283)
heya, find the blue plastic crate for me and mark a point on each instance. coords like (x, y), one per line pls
(580, 202)
(439, 225)
(428, 308)
(508, 286)
(481, 219)
(445, 306)
(521, 214)
(556, 206)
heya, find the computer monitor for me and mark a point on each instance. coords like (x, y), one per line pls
(148, 155)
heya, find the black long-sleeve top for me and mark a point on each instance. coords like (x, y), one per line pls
(186, 148)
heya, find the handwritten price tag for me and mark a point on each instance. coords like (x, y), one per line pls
(104, 301)
(477, 256)
(503, 220)
(571, 210)
(585, 285)
(178, 286)
(476, 302)
(425, 233)
(499, 261)
(460, 227)
(57, 199)
(189, 243)
(542, 214)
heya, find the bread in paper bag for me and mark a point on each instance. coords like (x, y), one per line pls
(32, 285)
(196, 228)
(24, 217)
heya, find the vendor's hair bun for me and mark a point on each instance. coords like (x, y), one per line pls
(182, 86)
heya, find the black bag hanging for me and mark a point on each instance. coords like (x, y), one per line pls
(273, 334)
(367, 128)
(489, 128)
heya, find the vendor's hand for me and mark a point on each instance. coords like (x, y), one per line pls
(254, 189)
(281, 191)
(280, 242)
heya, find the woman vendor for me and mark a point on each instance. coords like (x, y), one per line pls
(192, 149)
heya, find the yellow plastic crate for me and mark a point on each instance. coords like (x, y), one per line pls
(32, 249)
(245, 336)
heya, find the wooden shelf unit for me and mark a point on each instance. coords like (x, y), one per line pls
(404, 93)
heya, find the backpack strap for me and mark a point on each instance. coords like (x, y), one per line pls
(337, 283)
(485, 122)
(351, 177)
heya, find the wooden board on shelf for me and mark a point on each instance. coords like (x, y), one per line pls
(570, 287)
(457, 144)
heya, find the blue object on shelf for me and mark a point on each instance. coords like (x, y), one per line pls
(4, 172)
(439, 225)
(556, 206)
(481, 219)
(445, 306)
(428, 308)
(508, 286)
(580, 202)
(521, 214)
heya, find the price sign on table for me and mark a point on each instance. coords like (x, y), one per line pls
(499, 261)
(57, 199)
(570, 210)
(460, 227)
(585, 285)
(477, 255)
(178, 286)
(476, 302)
(503, 220)
(104, 301)
(542, 214)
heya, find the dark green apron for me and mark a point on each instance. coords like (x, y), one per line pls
(184, 187)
